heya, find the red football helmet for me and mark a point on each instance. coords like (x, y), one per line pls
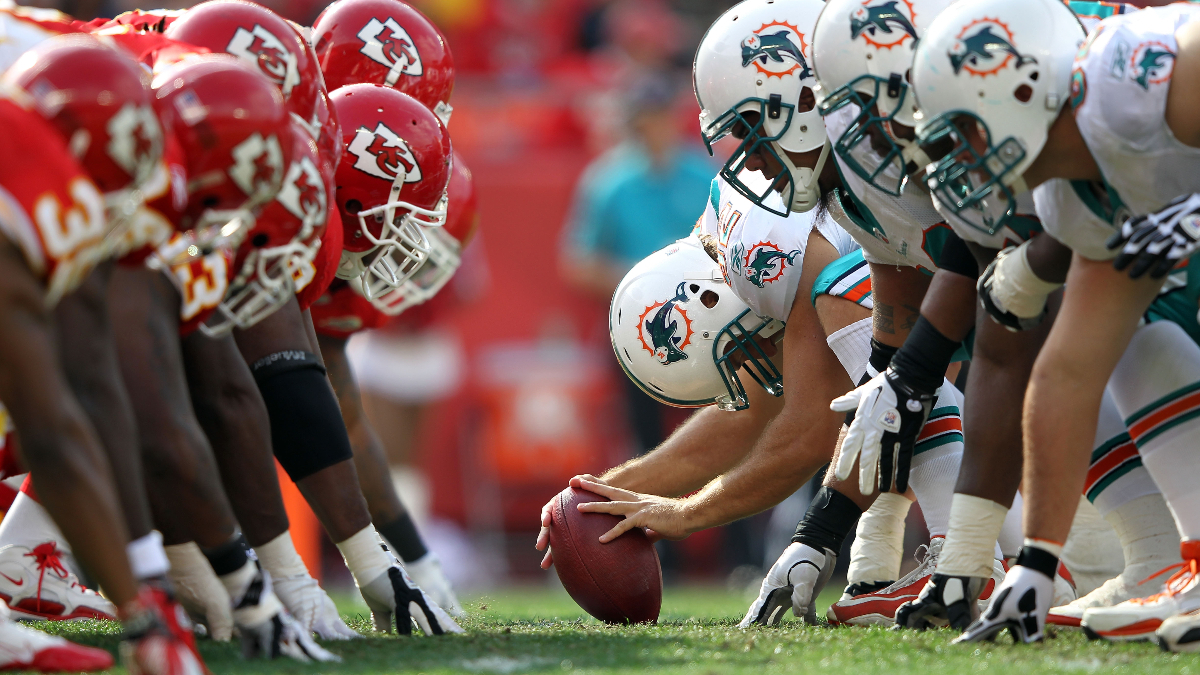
(261, 38)
(391, 182)
(445, 254)
(385, 42)
(233, 130)
(329, 141)
(285, 238)
(100, 101)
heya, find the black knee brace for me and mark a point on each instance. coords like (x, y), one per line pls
(307, 430)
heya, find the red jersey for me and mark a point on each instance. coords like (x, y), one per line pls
(201, 281)
(341, 312)
(23, 28)
(49, 207)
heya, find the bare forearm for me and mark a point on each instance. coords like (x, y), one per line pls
(709, 443)
(785, 458)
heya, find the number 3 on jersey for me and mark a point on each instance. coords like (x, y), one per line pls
(203, 283)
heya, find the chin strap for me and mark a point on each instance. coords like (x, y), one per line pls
(806, 194)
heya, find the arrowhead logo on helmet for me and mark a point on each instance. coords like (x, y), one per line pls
(258, 166)
(884, 25)
(383, 154)
(1152, 62)
(303, 192)
(776, 53)
(663, 328)
(985, 47)
(386, 42)
(261, 47)
(134, 139)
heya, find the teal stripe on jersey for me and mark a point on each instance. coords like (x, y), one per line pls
(848, 267)
(714, 195)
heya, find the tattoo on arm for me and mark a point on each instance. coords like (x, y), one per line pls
(910, 319)
(884, 320)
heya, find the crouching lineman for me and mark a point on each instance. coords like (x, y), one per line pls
(54, 224)
(1142, 142)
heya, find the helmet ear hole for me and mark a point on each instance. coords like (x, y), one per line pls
(709, 299)
(1033, 76)
(695, 288)
(353, 206)
(807, 101)
(1023, 93)
(259, 240)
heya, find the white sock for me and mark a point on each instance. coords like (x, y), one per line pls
(1156, 386)
(1147, 533)
(1116, 473)
(937, 457)
(1092, 552)
(364, 555)
(852, 346)
(27, 523)
(146, 556)
(970, 546)
(878, 546)
(1012, 532)
(280, 559)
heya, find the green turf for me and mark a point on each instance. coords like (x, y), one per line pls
(542, 631)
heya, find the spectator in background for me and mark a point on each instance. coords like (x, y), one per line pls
(641, 195)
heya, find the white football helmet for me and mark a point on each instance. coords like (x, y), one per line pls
(676, 329)
(862, 57)
(755, 59)
(997, 72)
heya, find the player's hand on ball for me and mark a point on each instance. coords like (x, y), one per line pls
(661, 517)
(543, 538)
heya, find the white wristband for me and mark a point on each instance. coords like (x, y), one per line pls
(1015, 288)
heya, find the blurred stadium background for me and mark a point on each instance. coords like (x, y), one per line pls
(490, 397)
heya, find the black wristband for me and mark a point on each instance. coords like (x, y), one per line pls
(921, 363)
(228, 557)
(402, 534)
(281, 362)
(881, 356)
(957, 258)
(829, 520)
(1038, 559)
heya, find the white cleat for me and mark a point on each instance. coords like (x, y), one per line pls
(36, 585)
(1180, 633)
(1140, 618)
(426, 572)
(23, 648)
(1125, 586)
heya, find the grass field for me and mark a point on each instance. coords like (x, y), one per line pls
(542, 631)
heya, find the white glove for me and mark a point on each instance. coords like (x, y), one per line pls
(1019, 604)
(311, 607)
(1156, 242)
(794, 581)
(394, 594)
(426, 572)
(890, 415)
(266, 628)
(199, 590)
(282, 635)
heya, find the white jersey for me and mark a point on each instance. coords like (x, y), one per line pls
(1016, 230)
(1081, 214)
(762, 254)
(1119, 90)
(901, 231)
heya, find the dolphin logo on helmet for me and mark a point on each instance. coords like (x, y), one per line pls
(970, 52)
(767, 51)
(663, 327)
(881, 18)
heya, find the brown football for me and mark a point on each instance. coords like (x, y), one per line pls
(617, 582)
